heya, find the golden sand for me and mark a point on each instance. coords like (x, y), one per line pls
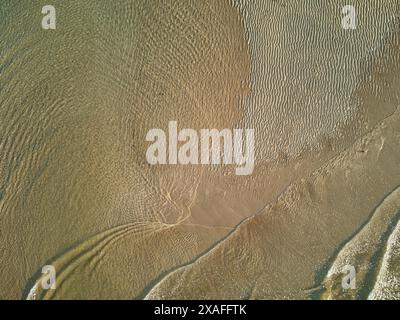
(76, 190)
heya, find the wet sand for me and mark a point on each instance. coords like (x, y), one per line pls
(76, 190)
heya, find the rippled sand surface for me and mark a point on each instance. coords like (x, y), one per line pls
(76, 191)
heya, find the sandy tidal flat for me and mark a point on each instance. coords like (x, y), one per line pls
(76, 191)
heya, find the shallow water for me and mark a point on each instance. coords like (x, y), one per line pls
(76, 191)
